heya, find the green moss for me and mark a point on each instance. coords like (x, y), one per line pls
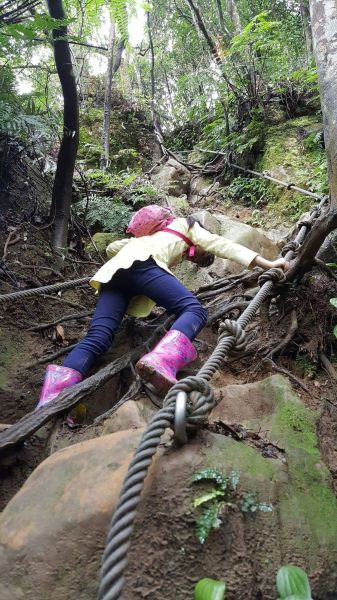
(241, 458)
(305, 500)
(291, 154)
(297, 424)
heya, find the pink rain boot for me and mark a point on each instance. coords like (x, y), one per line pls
(56, 380)
(160, 366)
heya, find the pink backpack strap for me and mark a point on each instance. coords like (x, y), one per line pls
(191, 251)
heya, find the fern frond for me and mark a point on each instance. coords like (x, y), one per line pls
(119, 13)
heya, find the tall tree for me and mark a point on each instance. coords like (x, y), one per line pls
(323, 20)
(62, 188)
(107, 99)
(155, 119)
(305, 15)
(234, 16)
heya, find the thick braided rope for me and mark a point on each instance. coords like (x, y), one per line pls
(200, 403)
(121, 527)
(54, 287)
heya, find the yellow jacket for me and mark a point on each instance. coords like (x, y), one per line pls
(167, 250)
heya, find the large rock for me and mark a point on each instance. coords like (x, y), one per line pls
(248, 236)
(173, 178)
(201, 189)
(53, 531)
(208, 220)
(131, 415)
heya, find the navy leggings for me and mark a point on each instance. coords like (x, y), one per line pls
(142, 278)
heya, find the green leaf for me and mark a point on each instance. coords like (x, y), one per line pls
(334, 331)
(293, 582)
(333, 301)
(206, 497)
(209, 589)
(212, 474)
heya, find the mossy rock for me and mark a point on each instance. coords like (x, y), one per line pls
(101, 241)
(306, 505)
(293, 153)
(180, 206)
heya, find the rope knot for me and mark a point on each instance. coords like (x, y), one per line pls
(200, 401)
(291, 246)
(231, 328)
(274, 275)
(304, 223)
(316, 212)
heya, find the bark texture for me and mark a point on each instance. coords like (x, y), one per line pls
(155, 118)
(114, 62)
(305, 15)
(234, 16)
(62, 189)
(107, 99)
(324, 29)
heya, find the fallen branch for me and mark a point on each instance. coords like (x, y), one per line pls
(50, 357)
(64, 300)
(242, 277)
(74, 317)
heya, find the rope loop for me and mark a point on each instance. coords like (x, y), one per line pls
(229, 327)
(291, 246)
(290, 185)
(304, 223)
(274, 275)
(200, 399)
(316, 212)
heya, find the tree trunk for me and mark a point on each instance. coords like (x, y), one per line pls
(62, 189)
(155, 119)
(234, 16)
(305, 14)
(201, 27)
(202, 30)
(104, 162)
(113, 66)
(324, 29)
(222, 19)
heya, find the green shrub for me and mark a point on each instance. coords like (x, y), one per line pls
(253, 191)
(104, 213)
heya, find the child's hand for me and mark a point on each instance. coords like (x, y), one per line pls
(279, 263)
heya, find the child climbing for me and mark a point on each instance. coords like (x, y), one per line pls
(137, 277)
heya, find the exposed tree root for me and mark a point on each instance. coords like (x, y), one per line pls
(330, 369)
(293, 326)
(270, 363)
